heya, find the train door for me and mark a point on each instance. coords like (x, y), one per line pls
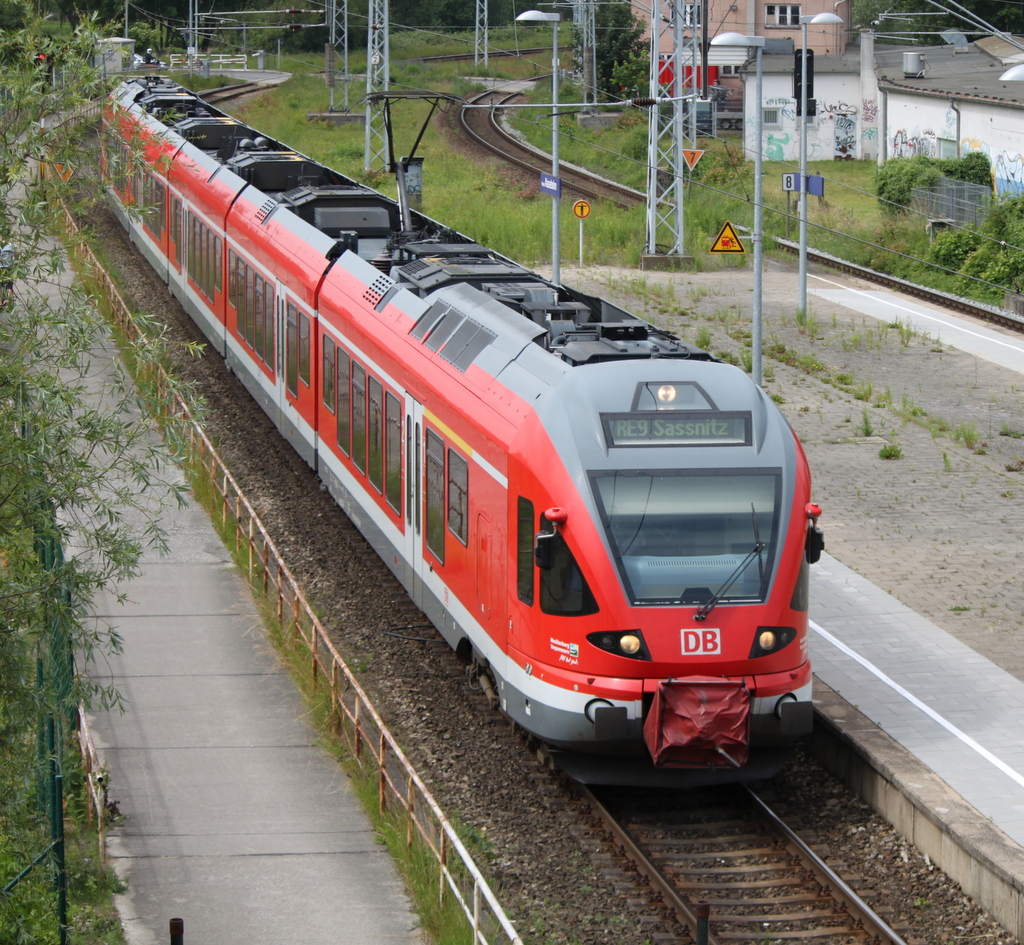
(296, 397)
(414, 495)
(489, 557)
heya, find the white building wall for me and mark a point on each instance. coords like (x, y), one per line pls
(919, 124)
(834, 133)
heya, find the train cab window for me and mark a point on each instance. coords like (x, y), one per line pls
(435, 495)
(329, 373)
(291, 373)
(304, 348)
(524, 550)
(393, 451)
(458, 497)
(683, 537)
(564, 591)
(344, 401)
(375, 435)
(359, 416)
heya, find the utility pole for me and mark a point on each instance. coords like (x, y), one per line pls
(378, 56)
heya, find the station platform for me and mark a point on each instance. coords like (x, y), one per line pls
(231, 817)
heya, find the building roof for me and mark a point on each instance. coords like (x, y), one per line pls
(972, 75)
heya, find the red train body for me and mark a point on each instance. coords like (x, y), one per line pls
(613, 524)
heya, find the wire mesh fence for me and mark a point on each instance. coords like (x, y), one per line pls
(958, 201)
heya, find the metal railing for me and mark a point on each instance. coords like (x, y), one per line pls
(401, 790)
(179, 61)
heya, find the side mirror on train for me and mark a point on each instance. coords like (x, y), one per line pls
(544, 550)
(815, 543)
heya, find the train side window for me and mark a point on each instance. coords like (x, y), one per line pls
(218, 264)
(359, 416)
(344, 399)
(435, 495)
(410, 471)
(328, 374)
(232, 279)
(393, 451)
(190, 255)
(291, 373)
(524, 550)
(176, 230)
(254, 329)
(304, 348)
(376, 435)
(246, 290)
(268, 321)
(458, 497)
(564, 590)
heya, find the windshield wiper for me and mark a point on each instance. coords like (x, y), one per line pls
(740, 568)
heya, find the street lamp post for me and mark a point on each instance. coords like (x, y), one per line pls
(804, 20)
(540, 16)
(756, 236)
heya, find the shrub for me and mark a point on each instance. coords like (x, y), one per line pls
(896, 178)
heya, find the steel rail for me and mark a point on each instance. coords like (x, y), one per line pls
(873, 925)
(646, 867)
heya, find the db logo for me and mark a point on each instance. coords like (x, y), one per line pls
(707, 641)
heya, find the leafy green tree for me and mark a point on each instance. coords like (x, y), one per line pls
(80, 469)
(620, 48)
(896, 179)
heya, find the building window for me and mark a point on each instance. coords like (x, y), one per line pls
(771, 117)
(782, 14)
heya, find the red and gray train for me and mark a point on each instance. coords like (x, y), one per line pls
(613, 524)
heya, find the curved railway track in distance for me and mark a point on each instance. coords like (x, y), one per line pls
(481, 126)
(724, 854)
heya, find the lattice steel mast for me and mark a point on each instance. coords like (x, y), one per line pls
(337, 15)
(480, 34)
(378, 61)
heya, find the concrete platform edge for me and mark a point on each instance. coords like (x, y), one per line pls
(956, 837)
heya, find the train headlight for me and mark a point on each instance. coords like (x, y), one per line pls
(666, 393)
(628, 643)
(771, 640)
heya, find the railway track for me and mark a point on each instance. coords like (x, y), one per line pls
(482, 127)
(723, 856)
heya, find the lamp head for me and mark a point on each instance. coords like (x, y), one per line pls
(539, 16)
(821, 18)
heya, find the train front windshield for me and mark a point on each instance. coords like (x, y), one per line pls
(680, 537)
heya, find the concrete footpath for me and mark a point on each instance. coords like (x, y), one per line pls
(231, 817)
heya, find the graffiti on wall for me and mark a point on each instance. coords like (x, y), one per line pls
(840, 108)
(845, 137)
(904, 145)
(775, 146)
(869, 111)
(1009, 174)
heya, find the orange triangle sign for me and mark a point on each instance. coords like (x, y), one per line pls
(692, 156)
(727, 241)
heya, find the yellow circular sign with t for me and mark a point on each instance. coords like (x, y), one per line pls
(581, 208)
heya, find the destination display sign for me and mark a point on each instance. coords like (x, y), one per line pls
(677, 428)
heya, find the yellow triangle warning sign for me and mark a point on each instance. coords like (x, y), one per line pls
(692, 156)
(727, 241)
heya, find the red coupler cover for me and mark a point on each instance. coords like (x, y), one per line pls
(698, 722)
